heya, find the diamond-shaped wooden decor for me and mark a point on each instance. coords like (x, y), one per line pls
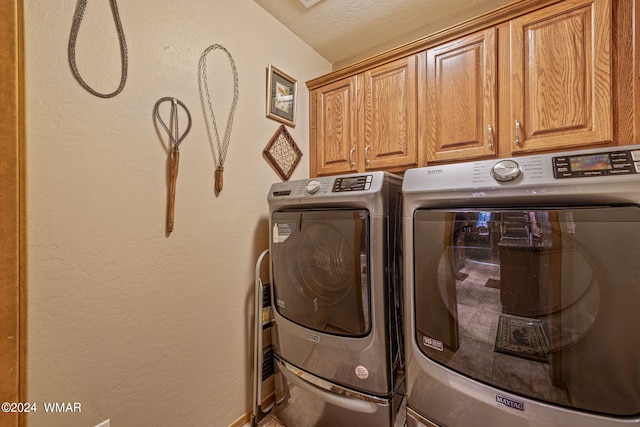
(282, 153)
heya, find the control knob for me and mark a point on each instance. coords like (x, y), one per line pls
(313, 186)
(505, 170)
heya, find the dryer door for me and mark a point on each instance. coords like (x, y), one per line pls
(319, 265)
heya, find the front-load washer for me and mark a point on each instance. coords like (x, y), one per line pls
(522, 290)
(336, 279)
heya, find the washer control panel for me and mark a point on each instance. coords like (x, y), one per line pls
(352, 183)
(328, 185)
(622, 162)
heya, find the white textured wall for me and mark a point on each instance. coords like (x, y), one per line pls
(139, 327)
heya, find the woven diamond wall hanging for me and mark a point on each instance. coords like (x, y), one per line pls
(282, 153)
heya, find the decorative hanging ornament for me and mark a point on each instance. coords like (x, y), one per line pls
(73, 37)
(221, 147)
(176, 139)
(282, 153)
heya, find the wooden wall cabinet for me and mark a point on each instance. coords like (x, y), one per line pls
(560, 80)
(556, 85)
(461, 108)
(334, 122)
(368, 121)
(533, 76)
(390, 115)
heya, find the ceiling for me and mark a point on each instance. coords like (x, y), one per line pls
(345, 31)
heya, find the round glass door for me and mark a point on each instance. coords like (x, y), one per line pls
(320, 269)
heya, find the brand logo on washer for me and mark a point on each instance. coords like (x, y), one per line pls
(515, 404)
(505, 169)
(313, 337)
(433, 343)
(434, 171)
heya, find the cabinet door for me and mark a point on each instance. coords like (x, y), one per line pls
(389, 115)
(461, 98)
(561, 77)
(333, 135)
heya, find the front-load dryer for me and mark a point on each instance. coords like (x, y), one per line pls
(522, 290)
(336, 278)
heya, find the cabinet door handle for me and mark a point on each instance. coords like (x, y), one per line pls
(366, 155)
(517, 133)
(490, 137)
(351, 162)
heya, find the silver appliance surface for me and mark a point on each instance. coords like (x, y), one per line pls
(337, 292)
(520, 283)
(607, 175)
(312, 401)
(366, 190)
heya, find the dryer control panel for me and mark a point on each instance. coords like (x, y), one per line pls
(619, 162)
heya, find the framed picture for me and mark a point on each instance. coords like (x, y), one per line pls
(281, 96)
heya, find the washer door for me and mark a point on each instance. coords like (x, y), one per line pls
(538, 302)
(319, 266)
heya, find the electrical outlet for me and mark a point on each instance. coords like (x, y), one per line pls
(105, 423)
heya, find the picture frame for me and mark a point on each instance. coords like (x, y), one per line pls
(282, 153)
(282, 90)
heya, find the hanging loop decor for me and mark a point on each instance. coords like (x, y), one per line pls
(221, 146)
(73, 37)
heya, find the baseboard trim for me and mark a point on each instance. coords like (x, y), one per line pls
(242, 420)
(249, 415)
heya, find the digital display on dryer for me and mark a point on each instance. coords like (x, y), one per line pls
(594, 162)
